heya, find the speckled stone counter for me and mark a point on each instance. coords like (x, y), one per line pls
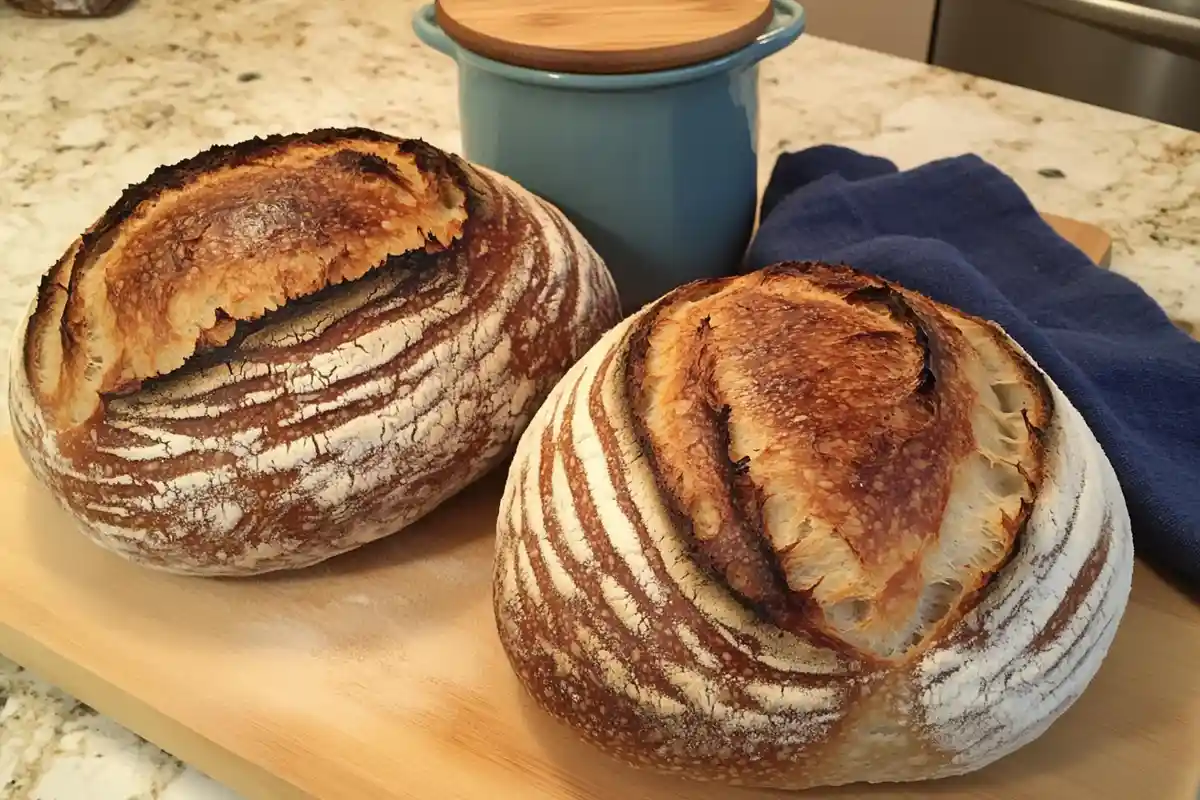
(87, 107)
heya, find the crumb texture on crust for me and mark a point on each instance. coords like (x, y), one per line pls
(228, 236)
(345, 415)
(677, 505)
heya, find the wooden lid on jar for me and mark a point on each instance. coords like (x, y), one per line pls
(595, 37)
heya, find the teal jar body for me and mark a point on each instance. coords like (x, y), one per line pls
(658, 170)
(660, 181)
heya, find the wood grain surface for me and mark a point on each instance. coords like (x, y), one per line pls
(589, 37)
(379, 675)
(1094, 242)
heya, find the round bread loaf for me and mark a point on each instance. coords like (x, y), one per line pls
(803, 527)
(278, 351)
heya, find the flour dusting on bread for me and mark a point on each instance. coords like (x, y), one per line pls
(362, 326)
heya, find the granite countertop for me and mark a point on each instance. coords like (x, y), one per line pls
(87, 107)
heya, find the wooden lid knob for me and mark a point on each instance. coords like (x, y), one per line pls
(593, 37)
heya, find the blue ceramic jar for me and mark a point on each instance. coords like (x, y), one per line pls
(657, 169)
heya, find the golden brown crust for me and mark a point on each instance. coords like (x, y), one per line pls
(814, 381)
(228, 236)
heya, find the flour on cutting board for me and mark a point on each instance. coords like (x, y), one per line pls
(302, 678)
(427, 619)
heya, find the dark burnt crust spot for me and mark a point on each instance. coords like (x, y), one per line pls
(368, 164)
(901, 311)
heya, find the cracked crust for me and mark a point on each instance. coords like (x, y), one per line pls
(297, 345)
(819, 488)
(226, 237)
(804, 527)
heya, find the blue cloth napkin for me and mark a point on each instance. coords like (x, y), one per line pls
(962, 232)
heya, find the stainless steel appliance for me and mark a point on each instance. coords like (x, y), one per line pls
(1137, 56)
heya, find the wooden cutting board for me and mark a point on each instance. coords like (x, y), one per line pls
(1093, 241)
(378, 675)
(594, 37)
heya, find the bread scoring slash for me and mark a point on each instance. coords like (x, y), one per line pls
(805, 527)
(279, 350)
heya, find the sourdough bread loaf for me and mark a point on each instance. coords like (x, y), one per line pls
(803, 527)
(277, 351)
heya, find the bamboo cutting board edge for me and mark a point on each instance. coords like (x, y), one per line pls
(142, 719)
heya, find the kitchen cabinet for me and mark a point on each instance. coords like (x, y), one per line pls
(1137, 56)
(899, 27)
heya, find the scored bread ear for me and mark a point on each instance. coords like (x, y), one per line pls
(227, 237)
(858, 465)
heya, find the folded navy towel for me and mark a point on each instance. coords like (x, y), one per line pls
(962, 232)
